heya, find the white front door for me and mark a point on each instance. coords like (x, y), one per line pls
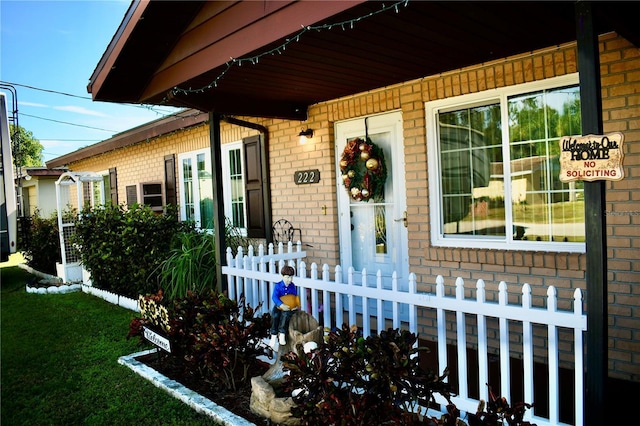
(373, 234)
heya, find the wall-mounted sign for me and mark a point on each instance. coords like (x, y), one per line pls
(157, 339)
(591, 157)
(306, 176)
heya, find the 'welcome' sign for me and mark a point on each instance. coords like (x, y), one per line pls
(591, 157)
(157, 339)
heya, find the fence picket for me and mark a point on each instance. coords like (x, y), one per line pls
(379, 302)
(483, 358)
(552, 338)
(505, 371)
(527, 349)
(461, 338)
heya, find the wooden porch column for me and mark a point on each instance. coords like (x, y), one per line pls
(595, 223)
(218, 199)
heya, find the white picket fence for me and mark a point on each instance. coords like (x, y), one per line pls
(360, 300)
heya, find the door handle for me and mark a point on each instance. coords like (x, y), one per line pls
(404, 219)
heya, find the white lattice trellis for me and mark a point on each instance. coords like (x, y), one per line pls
(70, 269)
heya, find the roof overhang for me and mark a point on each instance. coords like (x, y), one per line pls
(153, 129)
(275, 58)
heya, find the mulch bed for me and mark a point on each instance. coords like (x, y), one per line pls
(236, 402)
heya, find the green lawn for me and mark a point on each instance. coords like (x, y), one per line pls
(59, 363)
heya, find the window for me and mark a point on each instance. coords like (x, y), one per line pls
(234, 185)
(196, 188)
(494, 168)
(96, 193)
(152, 195)
(243, 187)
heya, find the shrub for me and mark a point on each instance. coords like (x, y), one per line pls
(122, 249)
(41, 242)
(351, 380)
(211, 336)
(498, 412)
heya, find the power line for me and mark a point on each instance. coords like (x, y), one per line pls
(147, 107)
(70, 124)
(48, 90)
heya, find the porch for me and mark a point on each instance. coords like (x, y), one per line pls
(528, 351)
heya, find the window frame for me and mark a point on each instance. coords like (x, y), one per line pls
(226, 182)
(144, 197)
(501, 96)
(193, 156)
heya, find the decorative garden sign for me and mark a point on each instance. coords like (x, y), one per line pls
(157, 339)
(591, 157)
(157, 315)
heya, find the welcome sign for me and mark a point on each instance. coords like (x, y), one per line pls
(591, 157)
(157, 339)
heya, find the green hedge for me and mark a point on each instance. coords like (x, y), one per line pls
(123, 248)
(40, 242)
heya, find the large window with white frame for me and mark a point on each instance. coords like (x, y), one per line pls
(196, 188)
(234, 185)
(494, 168)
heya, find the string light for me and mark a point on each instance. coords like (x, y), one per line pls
(350, 24)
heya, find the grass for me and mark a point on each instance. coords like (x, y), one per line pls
(59, 363)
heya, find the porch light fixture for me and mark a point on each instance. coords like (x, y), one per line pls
(304, 135)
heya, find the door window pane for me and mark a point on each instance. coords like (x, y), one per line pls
(187, 191)
(205, 192)
(237, 188)
(196, 188)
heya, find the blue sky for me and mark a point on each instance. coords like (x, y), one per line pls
(54, 46)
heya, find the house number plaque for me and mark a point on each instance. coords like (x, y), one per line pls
(306, 176)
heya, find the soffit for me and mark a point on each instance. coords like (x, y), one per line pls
(190, 46)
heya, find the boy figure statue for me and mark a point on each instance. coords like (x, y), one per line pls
(285, 303)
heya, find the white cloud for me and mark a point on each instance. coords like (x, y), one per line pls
(33, 104)
(80, 110)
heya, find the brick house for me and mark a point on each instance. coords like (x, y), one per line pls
(456, 204)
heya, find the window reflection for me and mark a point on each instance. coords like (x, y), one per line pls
(478, 172)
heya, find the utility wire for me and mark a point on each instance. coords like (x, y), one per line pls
(147, 107)
(70, 124)
(47, 90)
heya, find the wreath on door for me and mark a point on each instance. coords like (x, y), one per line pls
(363, 170)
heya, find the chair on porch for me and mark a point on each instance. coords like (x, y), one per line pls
(283, 232)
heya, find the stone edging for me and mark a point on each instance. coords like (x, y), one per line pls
(192, 399)
(56, 287)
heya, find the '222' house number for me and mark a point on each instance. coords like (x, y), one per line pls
(306, 176)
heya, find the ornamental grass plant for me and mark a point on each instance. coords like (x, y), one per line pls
(190, 265)
(59, 363)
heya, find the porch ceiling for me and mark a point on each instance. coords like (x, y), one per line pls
(163, 44)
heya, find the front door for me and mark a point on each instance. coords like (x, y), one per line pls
(373, 233)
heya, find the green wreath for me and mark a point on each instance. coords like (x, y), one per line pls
(363, 170)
